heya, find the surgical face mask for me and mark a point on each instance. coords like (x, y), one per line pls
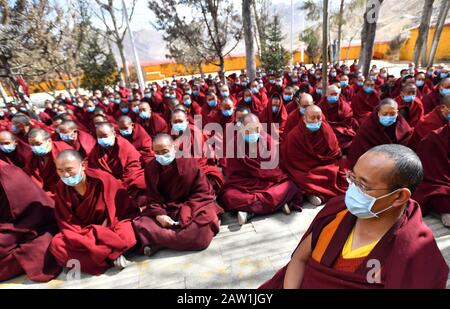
(188, 91)
(275, 109)
(251, 138)
(7, 148)
(409, 98)
(166, 95)
(333, 99)
(287, 97)
(125, 110)
(98, 96)
(360, 84)
(212, 103)
(2, 113)
(165, 159)
(443, 75)
(72, 181)
(271, 82)
(179, 127)
(294, 80)
(360, 204)
(196, 92)
(372, 77)
(90, 109)
(227, 112)
(313, 127)
(117, 101)
(126, 132)
(40, 150)
(302, 110)
(14, 128)
(444, 91)
(346, 72)
(106, 142)
(420, 83)
(247, 99)
(333, 74)
(318, 76)
(144, 115)
(106, 102)
(383, 75)
(344, 83)
(148, 95)
(279, 83)
(319, 90)
(244, 84)
(387, 121)
(187, 102)
(255, 90)
(368, 89)
(224, 94)
(135, 109)
(65, 137)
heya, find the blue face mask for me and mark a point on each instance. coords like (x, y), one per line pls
(360, 84)
(275, 109)
(387, 121)
(319, 91)
(255, 90)
(344, 83)
(65, 137)
(39, 150)
(429, 74)
(444, 91)
(135, 109)
(179, 127)
(247, 99)
(148, 95)
(448, 117)
(7, 148)
(360, 204)
(313, 127)
(2, 113)
(251, 138)
(189, 92)
(302, 110)
(212, 103)
(409, 98)
(72, 181)
(224, 94)
(333, 99)
(196, 92)
(165, 159)
(90, 109)
(106, 142)
(443, 75)
(333, 74)
(144, 115)
(14, 129)
(287, 98)
(126, 132)
(125, 110)
(227, 112)
(187, 102)
(117, 101)
(420, 83)
(368, 89)
(106, 102)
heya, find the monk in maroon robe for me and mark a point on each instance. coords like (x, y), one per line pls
(431, 100)
(93, 212)
(27, 225)
(275, 113)
(138, 137)
(296, 115)
(365, 101)
(434, 192)
(409, 105)
(339, 115)
(79, 140)
(181, 213)
(151, 122)
(311, 158)
(356, 243)
(13, 151)
(432, 121)
(384, 126)
(254, 182)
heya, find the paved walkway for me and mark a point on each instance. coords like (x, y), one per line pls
(238, 257)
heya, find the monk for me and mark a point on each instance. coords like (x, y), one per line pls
(384, 126)
(374, 236)
(181, 213)
(275, 113)
(93, 212)
(13, 151)
(295, 116)
(138, 137)
(409, 105)
(311, 158)
(151, 122)
(433, 194)
(79, 140)
(21, 125)
(347, 90)
(27, 225)
(42, 164)
(432, 121)
(365, 101)
(116, 155)
(339, 116)
(252, 188)
(431, 100)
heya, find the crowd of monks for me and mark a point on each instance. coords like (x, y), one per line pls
(93, 177)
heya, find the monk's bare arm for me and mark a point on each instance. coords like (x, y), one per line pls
(296, 267)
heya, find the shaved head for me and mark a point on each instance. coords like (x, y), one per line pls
(105, 126)
(69, 124)
(125, 120)
(312, 109)
(69, 155)
(7, 135)
(39, 133)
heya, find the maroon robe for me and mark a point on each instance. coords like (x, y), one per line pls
(156, 124)
(142, 142)
(372, 133)
(252, 188)
(19, 157)
(27, 225)
(431, 100)
(96, 228)
(363, 104)
(180, 191)
(432, 121)
(434, 192)
(311, 160)
(402, 251)
(84, 143)
(292, 121)
(414, 111)
(280, 117)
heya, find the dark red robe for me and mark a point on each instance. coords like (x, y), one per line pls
(142, 142)
(432, 121)
(84, 143)
(413, 112)
(280, 117)
(19, 157)
(156, 124)
(27, 225)
(96, 228)
(363, 104)
(431, 100)
(182, 192)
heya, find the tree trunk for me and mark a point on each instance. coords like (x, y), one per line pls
(438, 30)
(325, 45)
(248, 36)
(339, 34)
(422, 36)
(125, 70)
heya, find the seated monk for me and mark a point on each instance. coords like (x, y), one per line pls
(374, 236)
(434, 192)
(439, 117)
(409, 105)
(296, 115)
(13, 151)
(384, 126)
(93, 213)
(275, 113)
(250, 187)
(138, 137)
(311, 158)
(21, 125)
(27, 225)
(79, 140)
(339, 115)
(431, 100)
(182, 213)
(42, 167)
(115, 155)
(365, 101)
(152, 123)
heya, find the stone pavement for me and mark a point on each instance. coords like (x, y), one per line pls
(238, 257)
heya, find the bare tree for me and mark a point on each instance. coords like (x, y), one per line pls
(443, 12)
(340, 18)
(420, 48)
(325, 44)
(249, 38)
(261, 14)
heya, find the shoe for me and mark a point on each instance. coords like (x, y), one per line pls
(314, 200)
(121, 262)
(149, 251)
(242, 217)
(445, 218)
(286, 209)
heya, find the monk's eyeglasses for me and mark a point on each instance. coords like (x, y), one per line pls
(350, 176)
